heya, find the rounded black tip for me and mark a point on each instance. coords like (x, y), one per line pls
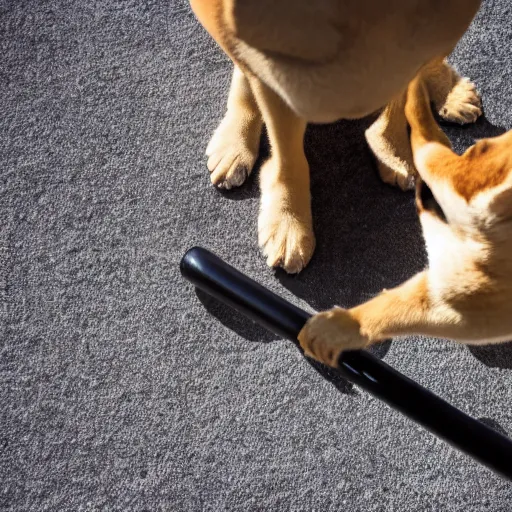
(190, 259)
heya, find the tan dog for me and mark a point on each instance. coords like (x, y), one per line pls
(299, 61)
(465, 208)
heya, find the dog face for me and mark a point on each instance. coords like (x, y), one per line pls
(471, 193)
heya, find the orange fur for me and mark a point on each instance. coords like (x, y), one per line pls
(484, 166)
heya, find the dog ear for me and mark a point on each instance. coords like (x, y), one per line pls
(302, 29)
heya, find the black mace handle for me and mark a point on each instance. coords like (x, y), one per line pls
(217, 278)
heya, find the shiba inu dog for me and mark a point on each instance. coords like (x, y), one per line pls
(298, 61)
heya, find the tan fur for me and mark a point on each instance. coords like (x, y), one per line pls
(466, 292)
(298, 61)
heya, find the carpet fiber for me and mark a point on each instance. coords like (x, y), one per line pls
(121, 388)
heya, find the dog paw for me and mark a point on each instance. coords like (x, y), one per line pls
(326, 335)
(463, 104)
(233, 150)
(285, 235)
(400, 174)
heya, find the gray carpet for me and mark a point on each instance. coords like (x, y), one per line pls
(123, 389)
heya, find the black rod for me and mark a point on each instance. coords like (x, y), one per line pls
(212, 275)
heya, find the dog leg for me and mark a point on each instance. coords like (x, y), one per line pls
(285, 229)
(233, 149)
(388, 139)
(406, 309)
(424, 128)
(409, 309)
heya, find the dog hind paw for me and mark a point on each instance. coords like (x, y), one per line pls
(463, 104)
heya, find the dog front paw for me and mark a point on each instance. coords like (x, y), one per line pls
(233, 149)
(286, 240)
(285, 230)
(326, 335)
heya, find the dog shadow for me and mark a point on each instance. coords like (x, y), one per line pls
(368, 234)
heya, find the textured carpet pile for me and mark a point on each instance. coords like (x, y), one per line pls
(121, 388)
